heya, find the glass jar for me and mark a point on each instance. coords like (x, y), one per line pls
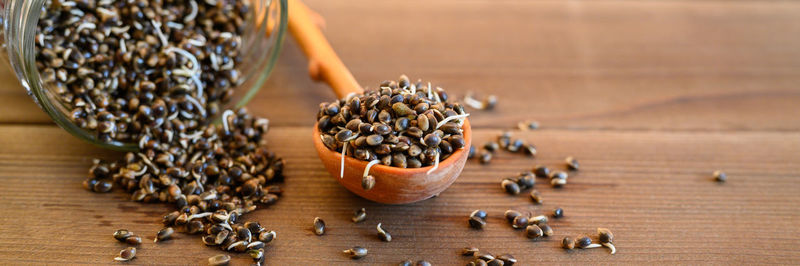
(261, 44)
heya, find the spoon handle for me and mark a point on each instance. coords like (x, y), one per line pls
(323, 63)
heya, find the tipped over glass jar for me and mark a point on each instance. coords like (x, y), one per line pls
(109, 72)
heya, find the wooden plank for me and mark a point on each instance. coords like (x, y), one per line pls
(649, 65)
(653, 189)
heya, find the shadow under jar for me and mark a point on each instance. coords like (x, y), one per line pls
(102, 69)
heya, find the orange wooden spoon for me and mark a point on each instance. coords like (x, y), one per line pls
(392, 185)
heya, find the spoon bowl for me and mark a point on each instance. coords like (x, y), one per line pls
(395, 185)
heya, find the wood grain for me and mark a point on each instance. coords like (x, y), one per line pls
(650, 96)
(653, 189)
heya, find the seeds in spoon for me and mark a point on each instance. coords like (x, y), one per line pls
(572, 163)
(356, 252)
(383, 235)
(360, 215)
(219, 260)
(319, 226)
(720, 176)
(126, 254)
(510, 186)
(164, 234)
(536, 197)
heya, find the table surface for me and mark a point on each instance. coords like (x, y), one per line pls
(650, 96)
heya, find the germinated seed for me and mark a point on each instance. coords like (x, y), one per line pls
(356, 252)
(126, 254)
(605, 235)
(219, 260)
(360, 215)
(558, 213)
(469, 251)
(572, 163)
(383, 235)
(368, 182)
(536, 197)
(583, 242)
(319, 226)
(267, 236)
(720, 176)
(164, 234)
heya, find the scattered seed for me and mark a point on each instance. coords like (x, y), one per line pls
(568, 243)
(538, 220)
(479, 262)
(406, 263)
(476, 222)
(515, 145)
(510, 186)
(485, 156)
(495, 262)
(558, 213)
(572, 163)
(520, 222)
(319, 226)
(360, 215)
(536, 197)
(605, 235)
(511, 215)
(528, 125)
(541, 171)
(529, 149)
(469, 251)
(533, 231)
(219, 260)
(491, 146)
(484, 256)
(164, 234)
(507, 259)
(423, 263)
(720, 176)
(583, 242)
(126, 254)
(558, 182)
(478, 213)
(122, 234)
(526, 180)
(546, 230)
(383, 235)
(356, 252)
(133, 240)
(471, 152)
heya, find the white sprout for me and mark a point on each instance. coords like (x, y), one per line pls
(157, 27)
(369, 165)
(169, 133)
(106, 12)
(444, 121)
(471, 102)
(436, 94)
(344, 150)
(137, 25)
(225, 116)
(593, 245)
(85, 25)
(227, 66)
(148, 162)
(199, 215)
(66, 54)
(120, 30)
(186, 114)
(182, 72)
(140, 172)
(122, 46)
(226, 35)
(611, 247)
(429, 91)
(77, 12)
(198, 84)
(193, 13)
(435, 164)
(188, 55)
(173, 116)
(174, 25)
(69, 4)
(214, 63)
(198, 43)
(105, 2)
(191, 136)
(211, 2)
(196, 104)
(142, 140)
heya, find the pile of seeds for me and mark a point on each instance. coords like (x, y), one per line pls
(400, 124)
(212, 175)
(123, 68)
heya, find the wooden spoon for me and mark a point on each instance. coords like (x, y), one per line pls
(393, 185)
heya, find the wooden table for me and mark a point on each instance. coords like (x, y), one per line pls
(650, 96)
